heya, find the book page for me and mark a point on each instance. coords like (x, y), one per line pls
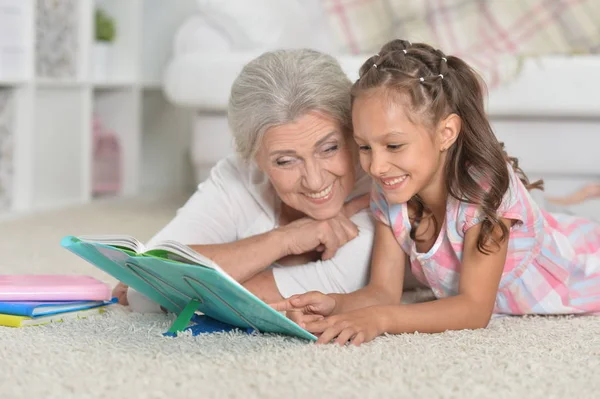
(124, 241)
(190, 256)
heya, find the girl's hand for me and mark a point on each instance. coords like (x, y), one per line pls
(357, 327)
(306, 308)
(326, 236)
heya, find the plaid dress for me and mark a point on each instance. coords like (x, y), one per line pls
(552, 264)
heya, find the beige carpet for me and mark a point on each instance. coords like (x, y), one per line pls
(123, 355)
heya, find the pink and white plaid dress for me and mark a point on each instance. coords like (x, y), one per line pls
(552, 265)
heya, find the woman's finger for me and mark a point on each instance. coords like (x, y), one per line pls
(349, 227)
(305, 300)
(295, 316)
(120, 292)
(331, 245)
(283, 305)
(309, 318)
(356, 204)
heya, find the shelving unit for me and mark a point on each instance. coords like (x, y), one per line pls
(49, 97)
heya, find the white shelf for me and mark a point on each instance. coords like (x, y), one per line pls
(50, 126)
(58, 83)
(113, 84)
(12, 82)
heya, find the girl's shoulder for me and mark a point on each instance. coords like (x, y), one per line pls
(389, 214)
(516, 203)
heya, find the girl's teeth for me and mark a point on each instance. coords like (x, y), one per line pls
(320, 194)
(395, 181)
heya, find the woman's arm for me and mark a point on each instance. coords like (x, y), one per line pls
(244, 258)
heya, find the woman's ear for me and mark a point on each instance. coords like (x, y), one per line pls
(449, 129)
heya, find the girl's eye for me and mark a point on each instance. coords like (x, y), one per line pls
(364, 147)
(394, 146)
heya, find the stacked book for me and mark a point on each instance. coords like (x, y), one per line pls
(27, 300)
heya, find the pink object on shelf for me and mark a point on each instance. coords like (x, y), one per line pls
(32, 287)
(106, 160)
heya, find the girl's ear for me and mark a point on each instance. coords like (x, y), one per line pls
(449, 129)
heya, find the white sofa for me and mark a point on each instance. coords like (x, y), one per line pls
(549, 116)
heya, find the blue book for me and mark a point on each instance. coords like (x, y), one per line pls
(39, 308)
(174, 276)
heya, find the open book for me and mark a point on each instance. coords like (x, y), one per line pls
(173, 275)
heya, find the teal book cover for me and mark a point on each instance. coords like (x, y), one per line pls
(173, 275)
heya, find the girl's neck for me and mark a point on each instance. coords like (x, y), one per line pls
(435, 195)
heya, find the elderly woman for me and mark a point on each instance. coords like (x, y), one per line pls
(285, 214)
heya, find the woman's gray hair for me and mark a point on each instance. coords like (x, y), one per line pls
(280, 86)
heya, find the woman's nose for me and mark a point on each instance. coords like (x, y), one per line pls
(313, 176)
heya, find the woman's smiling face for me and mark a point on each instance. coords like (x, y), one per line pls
(310, 164)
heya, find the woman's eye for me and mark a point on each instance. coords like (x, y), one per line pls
(331, 148)
(283, 161)
(394, 146)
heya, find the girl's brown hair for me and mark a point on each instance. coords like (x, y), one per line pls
(436, 86)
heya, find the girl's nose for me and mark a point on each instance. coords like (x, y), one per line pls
(379, 165)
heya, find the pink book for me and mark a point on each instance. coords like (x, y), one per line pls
(52, 288)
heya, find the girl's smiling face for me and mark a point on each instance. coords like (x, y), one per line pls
(403, 157)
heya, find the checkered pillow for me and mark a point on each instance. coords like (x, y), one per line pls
(491, 35)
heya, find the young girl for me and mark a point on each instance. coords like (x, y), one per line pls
(447, 195)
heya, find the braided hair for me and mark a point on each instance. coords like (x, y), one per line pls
(437, 85)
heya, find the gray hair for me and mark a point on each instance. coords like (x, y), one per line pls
(280, 86)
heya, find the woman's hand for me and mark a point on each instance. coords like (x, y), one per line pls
(326, 236)
(305, 308)
(357, 327)
(120, 292)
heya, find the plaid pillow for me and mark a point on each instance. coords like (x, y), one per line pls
(491, 35)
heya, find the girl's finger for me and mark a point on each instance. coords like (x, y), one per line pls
(329, 334)
(345, 336)
(358, 339)
(316, 326)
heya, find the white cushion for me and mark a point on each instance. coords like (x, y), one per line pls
(203, 80)
(268, 24)
(197, 35)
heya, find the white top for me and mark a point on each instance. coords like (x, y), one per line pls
(238, 201)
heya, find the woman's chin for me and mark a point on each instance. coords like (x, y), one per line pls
(324, 211)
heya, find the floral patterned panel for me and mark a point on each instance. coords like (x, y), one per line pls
(6, 148)
(57, 46)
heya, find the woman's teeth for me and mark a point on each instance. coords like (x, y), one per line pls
(394, 181)
(320, 194)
